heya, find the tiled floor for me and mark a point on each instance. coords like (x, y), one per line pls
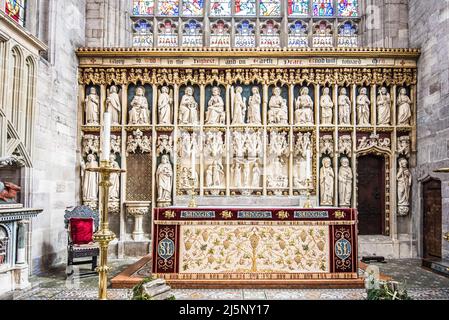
(422, 284)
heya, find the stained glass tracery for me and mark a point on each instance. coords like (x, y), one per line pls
(16, 10)
(220, 8)
(143, 7)
(192, 7)
(245, 7)
(270, 7)
(323, 8)
(298, 7)
(347, 8)
(168, 7)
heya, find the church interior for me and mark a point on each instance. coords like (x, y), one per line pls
(224, 149)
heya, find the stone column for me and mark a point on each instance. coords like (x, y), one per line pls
(21, 242)
(138, 210)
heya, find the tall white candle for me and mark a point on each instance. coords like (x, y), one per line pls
(106, 150)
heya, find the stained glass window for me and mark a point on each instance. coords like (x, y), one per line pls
(245, 7)
(168, 7)
(269, 35)
(245, 35)
(298, 7)
(298, 35)
(192, 7)
(16, 10)
(323, 8)
(348, 8)
(168, 36)
(220, 36)
(347, 35)
(143, 34)
(192, 34)
(220, 8)
(270, 7)
(143, 7)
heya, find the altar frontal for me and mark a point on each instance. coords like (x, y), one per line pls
(255, 244)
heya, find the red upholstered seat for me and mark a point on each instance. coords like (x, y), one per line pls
(81, 231)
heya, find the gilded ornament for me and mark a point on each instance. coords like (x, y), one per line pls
(340, 215)
(169, 214)
(283, 215)
(226, 214)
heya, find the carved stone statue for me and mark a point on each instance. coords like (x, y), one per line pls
(363, 108)
(404, 108)
(254, 144)
(327, 177)
(214, 174)
(404, 146)
(215, 112)
(237, 175)
(214, 144)
(114, 106)
(238, 144)
(164, 108)
(164, 179)
(345, 177)
(344, 108)
(188, 108)
(254, 104)
(246, 173)
(303, 152)
(164, 145)
(114, 190)
(139, 113)
(383, 107)
(327, 106)
(278, 112)
(256, 175)
(345, 144)
(239, 107)
(186, 178)
(93, 108)
(304, 108)
(404, 180)
(90, 182)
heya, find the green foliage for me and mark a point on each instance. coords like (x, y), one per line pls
(388, 291)
(138, 293)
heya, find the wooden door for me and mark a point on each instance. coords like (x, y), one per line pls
(371, 194)
(432, 219)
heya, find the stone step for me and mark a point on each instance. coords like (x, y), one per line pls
(437, 265)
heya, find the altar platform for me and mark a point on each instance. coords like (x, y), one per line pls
(224, 247)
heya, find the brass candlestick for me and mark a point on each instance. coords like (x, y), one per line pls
(104, 236)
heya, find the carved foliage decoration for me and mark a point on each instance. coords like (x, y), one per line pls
(374, 142)
(327, 145)
(324, 77)
(345, 145)
(138, 143)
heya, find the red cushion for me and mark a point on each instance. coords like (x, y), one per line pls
(81, 231)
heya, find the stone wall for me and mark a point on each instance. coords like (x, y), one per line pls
(108, 23)
(429, 25)
(54, 185)
(385, 23)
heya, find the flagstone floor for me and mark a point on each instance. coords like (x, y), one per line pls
(421, 284)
